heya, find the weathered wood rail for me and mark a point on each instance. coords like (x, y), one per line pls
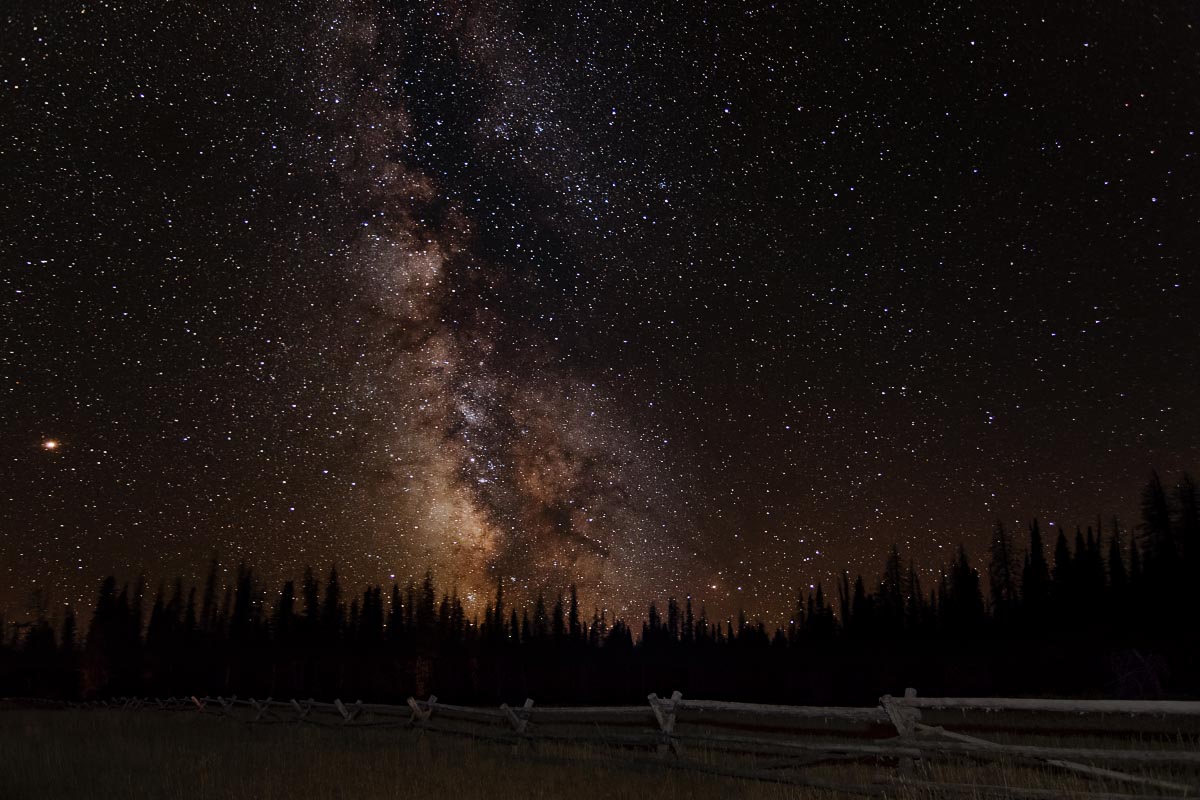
(802, 736)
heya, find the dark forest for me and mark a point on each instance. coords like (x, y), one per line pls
(1101, 611)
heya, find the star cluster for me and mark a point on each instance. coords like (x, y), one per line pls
(716, 299)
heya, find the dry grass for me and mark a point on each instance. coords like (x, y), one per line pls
(59, 754)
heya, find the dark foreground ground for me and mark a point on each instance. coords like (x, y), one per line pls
(59, 754)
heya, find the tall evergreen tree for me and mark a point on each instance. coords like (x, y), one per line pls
(541, 621)
(498, 611)
(283, 623)
(914, 611)
(1188, 503)
(241, 622)
(1002, 573)
(370, 631)
(189, 617)
(395, 619)
(427, 609)
(963, 610)
(333, 611)
(1118, 579)
(156, 634)
(558, 620)
(892, 594)
(574, 630)
(1158, 541)
(312, 602)
(67, 640)
(1035, 578)
(1063, 581)
(208, 603)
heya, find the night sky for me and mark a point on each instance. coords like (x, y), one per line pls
(715, 299)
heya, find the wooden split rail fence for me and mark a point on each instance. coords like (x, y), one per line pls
(797, 736)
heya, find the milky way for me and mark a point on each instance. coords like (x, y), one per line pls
(500, 461)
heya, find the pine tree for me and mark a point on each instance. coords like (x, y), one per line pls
(541, 622)
(333, 612)
(370, 632)
(208, 605)
(443, 619)
(498, 612)
(914, 611)
(594, 638)
(844, 600)
(573, 626)
(861, 615)
(427, 609)
(353, 622)
(189, 617)
(1002, 573)
(1035, 579)
(312, 603)
(136, 619)
(174, 607)
(1188, 503)
(155, 631)
(242, 620)
(410, 606)
(963, 610)
(1118, 579)
(104, 641)
(458, 618)
(67, 638)
(1158, 539)
(285, 613)
(1063, 581)
(1135, 565)
(559, 620)
(395, 619)
(892, 595)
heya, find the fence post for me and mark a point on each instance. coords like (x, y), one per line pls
(262, 708)
(419, 715)
(664, 712)
(199, 703)
(521, 723)
(302, 712)
(348, 716)
(905, 720)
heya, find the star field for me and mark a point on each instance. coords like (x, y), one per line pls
(715, 299)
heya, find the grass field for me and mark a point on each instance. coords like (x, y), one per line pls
(52, 754)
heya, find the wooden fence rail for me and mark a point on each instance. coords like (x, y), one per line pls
(804, 735)
(1173, 708)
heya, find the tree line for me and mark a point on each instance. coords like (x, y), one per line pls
(1097, 612)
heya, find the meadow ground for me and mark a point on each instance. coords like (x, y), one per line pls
(60, 754)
